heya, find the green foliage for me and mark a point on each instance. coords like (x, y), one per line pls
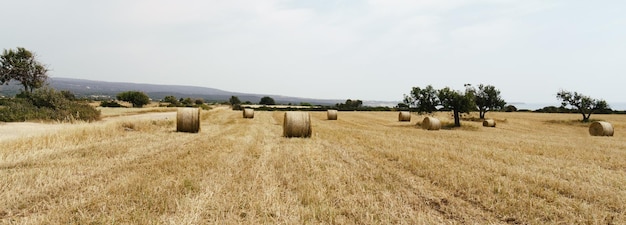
(20, 65)
(510, 108)
(554, 109)
(187, 102)
(423, 100)
(173, 102)
(488, 98)
(182, 102)
(456, 101)
(171, 99)
(426, 100)
(204, 107)
(111, 104)
(234, 100)
(350, 105)
(136, 98)
(585, 105)
(267, 101)
(403, 106)
(46, 104)
(68, 95)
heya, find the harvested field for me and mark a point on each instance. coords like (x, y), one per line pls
(367, 168)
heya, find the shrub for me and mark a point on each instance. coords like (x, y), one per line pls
(46, 104)
(137, 98)
(205, 107)
(112, 104)
(510, 108)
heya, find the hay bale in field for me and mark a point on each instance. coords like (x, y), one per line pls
(332, 114)
(404, 116)
(431, 123)
(601, 128)
(297, 124)
(489, 123)
(248, 113)
(188, 120)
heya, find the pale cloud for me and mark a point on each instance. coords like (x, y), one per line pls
(260, 45)
(486, 36)
(400, 7)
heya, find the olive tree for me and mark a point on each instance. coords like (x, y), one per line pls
(427, 100)
(457, 101)
(488, 98)
(584, 104)
(424, 100)
(137, 98)
(20, 65)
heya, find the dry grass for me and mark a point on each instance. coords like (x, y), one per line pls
(366, 168)
(116, 112)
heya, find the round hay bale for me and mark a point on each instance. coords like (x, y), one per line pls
(601, 128)
(404, 116)
(248, 113)
(489, 123)
(431, 123)
(332, 114)
(188, 120)
(297, 124)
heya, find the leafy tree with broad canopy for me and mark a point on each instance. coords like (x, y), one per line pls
(234, 100)
(21, 65)
(267, 101)
(488, 98)
(424, 100)
(350, 104)
(137, 98)
(457, 101)
(584, 104)
(427, 99)
(171, 99)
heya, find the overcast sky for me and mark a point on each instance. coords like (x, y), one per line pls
(332, 49)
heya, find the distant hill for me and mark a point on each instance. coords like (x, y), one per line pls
(103, 89)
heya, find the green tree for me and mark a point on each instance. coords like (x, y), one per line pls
(172, 100)
(137, 98)
(68, 95)
(350, 105)
(21, 65)
(427, 99)
(510, 108)
(488, 98)
(267, 101)
(234, 100)
(187, 101)
(585, 105)
(424, 100)
(457, 101)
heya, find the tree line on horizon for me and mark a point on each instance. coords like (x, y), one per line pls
(37, 100)
(487, 98)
